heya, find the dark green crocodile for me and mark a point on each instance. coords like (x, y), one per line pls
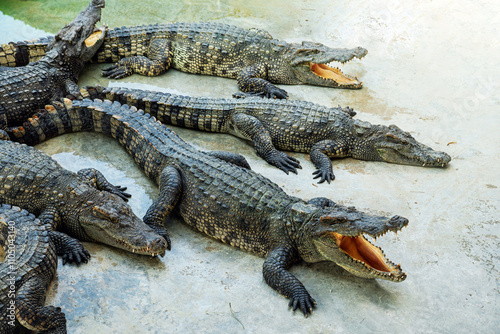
(24, 90)
(285, 125)
(85, 205)
(251, 56)
(28, 266)
(228, 201)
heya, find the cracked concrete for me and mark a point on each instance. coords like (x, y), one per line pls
(431, 69)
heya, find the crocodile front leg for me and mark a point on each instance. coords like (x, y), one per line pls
(252, 79)
(158, 61)
(98, 181)
(280, 279)
(321, 152)
(250, 127)
(31, 313)
(70, 249)
(170, 183)
(234, 158)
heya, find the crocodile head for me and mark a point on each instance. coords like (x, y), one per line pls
(80, 39)
(311, 63)
(338, 234)
(111, 221)
(391, 144)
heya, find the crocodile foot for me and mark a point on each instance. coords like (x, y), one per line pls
(284, 162)
(304, 301)
(75, 253)
(117, 71)
(120, 192)
(274, 92)
(324, 175)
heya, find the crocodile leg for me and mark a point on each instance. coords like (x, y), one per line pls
(99, 182)
(69, 248)
(252, 79)
(321, 152)
(250, 127)
(280, 279)
(170, 184)
(234, 158)
(158, 61)
(31, 313)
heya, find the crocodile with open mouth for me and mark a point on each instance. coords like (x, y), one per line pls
(24, 90)
(216, 193)
(251, 56)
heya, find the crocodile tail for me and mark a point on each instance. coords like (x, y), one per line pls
(15, 54)
(198, 113)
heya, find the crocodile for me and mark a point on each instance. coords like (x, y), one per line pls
(84, 204)
(24, 90)
(217, 194)
(251, 56)
(288, 125)
(29, 265)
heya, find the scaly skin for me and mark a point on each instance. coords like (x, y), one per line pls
(274, 125)
(85, 205)
(229, 202)
(24, 90)
(250, 56)
(28, 266)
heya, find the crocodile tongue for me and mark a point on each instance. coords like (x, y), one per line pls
(360, 249)
(331, 73)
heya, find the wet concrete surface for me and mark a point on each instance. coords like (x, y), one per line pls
(432, 69)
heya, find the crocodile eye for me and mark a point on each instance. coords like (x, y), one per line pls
(105, 214)
(392, 138)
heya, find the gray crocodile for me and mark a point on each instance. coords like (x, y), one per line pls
(228, 201)
(288, 125)
(28, 266)
(85, 205)
(251, 56)
(24, 90)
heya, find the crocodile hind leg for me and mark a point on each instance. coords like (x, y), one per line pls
(234, 158)
(247, 126)
(278, 277)
(321, 153)
(252, 80)
(69, 248)
(99, 182)
(31, 313)
(170, 183)
(157, 62)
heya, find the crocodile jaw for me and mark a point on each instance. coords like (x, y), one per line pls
(358, 256)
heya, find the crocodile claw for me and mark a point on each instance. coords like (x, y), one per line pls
(284, 162)
(327, 176)
(274, 92)
(120, 192)
(117, 71)
(77, 255)
(304, 301)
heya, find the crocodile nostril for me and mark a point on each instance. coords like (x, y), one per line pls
(160, 242)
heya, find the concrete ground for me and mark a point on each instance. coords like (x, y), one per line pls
(432, 69)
